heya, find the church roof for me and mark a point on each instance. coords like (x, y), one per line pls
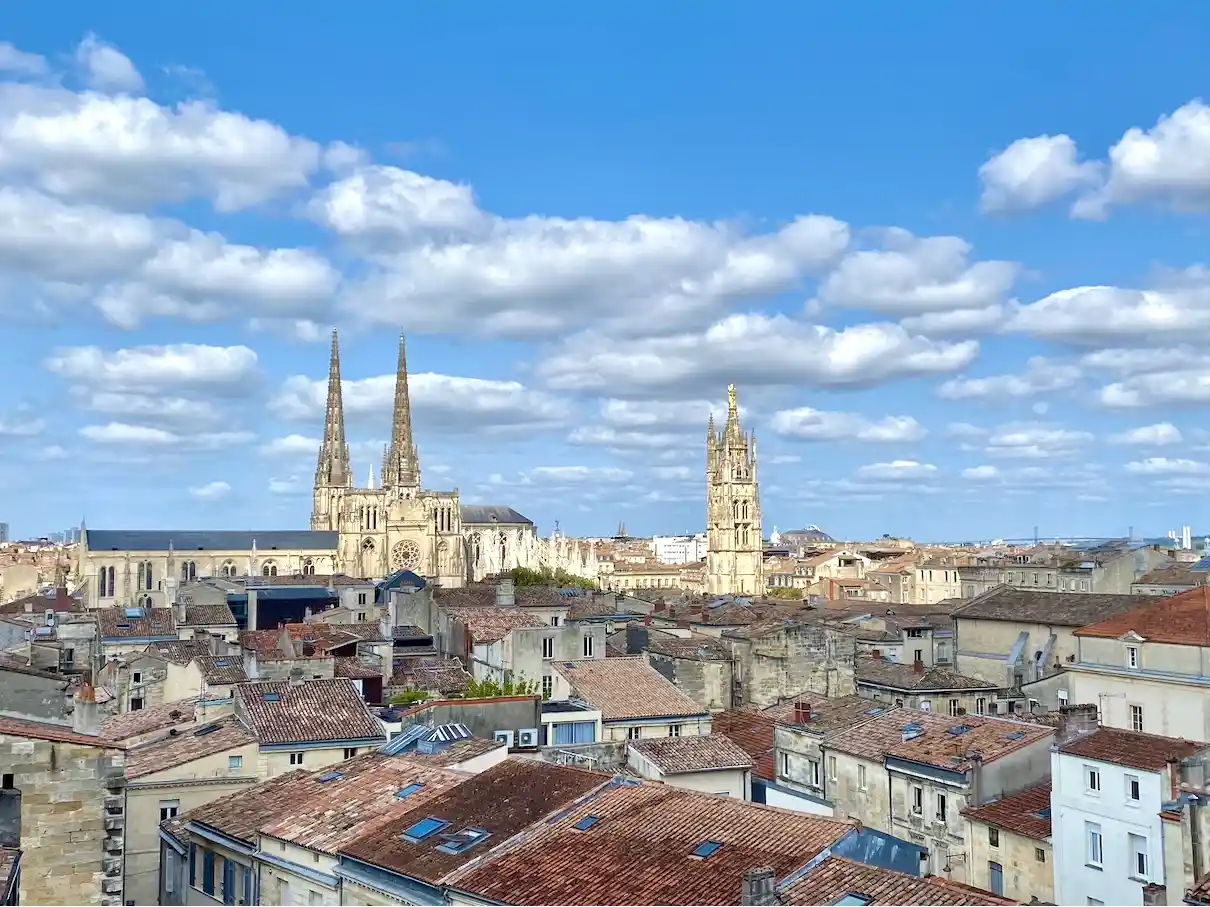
(210, 540)
(484, 513)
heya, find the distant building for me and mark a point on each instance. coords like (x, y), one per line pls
(733, 558)
(3, 533)
(679, 549)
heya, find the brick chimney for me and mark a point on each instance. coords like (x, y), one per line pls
(1154, 895)
(918, 666)
(1076, 721)
(86, 714)
(758, 890)
(802, 713)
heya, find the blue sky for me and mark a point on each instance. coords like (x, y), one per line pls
(954, 259)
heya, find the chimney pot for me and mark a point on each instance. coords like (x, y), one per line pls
(918, 666)
(758, 889)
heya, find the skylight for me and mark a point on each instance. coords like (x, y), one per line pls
(404, 792)
(1015, 735)
(133, 612)
(706, 849)
(424, 829)
(854, 900)
(586, 823)
(330, 776)
(1043, 813)
(912, 727)
(462, 841)
(202, 732)
(272, 697)
(959, 729)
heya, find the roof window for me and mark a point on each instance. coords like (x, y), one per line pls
(330, 776)
(404, 792)
(202, 732)
(586, 823)
(707, 849)
(462, 841)
(424, 829)
(854, 900)
(958, 730)
(272, 697)
(134, 612)
(1015, 735)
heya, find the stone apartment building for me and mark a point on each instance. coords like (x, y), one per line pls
(925, 688)
(1008, 843)
(776, 660)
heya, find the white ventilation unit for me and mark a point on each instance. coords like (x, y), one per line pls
(527, 737)
(505, 737)
(50, 617)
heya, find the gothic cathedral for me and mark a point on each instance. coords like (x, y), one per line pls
(734, 554)
(397, 526)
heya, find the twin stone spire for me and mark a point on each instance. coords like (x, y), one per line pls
(400, 462)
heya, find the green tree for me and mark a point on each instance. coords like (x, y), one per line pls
(782, 592)
(544, 576)
(491, 689)
(409, 698)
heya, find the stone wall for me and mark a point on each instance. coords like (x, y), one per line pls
(797, 659)
(72, 818)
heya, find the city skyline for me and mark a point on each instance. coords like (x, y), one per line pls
(956, 306)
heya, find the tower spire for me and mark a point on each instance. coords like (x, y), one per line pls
(401, 468)
(332, 468)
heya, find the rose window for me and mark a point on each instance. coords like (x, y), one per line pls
(405, 556)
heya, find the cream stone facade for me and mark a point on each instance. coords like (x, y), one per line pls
(733, 520)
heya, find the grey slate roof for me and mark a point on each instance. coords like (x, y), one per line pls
(483, 513)
(1058, 609)
(187, 540)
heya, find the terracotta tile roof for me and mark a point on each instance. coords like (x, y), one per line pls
(626, 688)
(488, 625)
(316, 711)
(351, 666)
(1026, 813)
(502, 801)
(837, 877)
(114, 624)
(179, 651)
(1182, 620)
(241, 815)
(991, 738)
(222, 668)
(145, 721)
(459, 751)
(56, 733)
(694, 753)
(1146, 752)
(829, 715)
(472, 595)
(753, 733)
(649, 832)
(37, 603)
(187, 745)
(361, 798)
(445, 676)
(697, 646)
(583, 607)
(262, 642)
(333, 636)
(1063, 609)
(216, 615)
(176, 827)
(1174, 575)
(883, 673)
(874, 739)
(10, 860)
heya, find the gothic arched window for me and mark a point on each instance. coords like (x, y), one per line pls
(269, 569)
(308, 567)
(228, 569)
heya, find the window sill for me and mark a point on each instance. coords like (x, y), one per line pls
(1094, 866)
(1140, 880)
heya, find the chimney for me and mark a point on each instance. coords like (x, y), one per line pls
(86, 714)
(918, 666)
(506, 594)
(1155, 894)
(802, 712)
(296, 677)
(877, 653)
(1076, 721)
(758, 889)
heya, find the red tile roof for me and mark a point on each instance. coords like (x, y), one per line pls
(316, 711)
(144, 721)
(186, 746)
(1018, 813)
(753, 733)
(1146, 752)
(989, 738)
(240, 815)
(627, 688)
(1182, 620)
(837, 877)
(56, 733)
(114, 624)
(693, 753)
(829, 714)
(640, 850)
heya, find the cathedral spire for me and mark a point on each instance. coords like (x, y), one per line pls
(401, 466)
(332, 468)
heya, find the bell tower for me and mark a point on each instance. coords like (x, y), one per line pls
(734, 557)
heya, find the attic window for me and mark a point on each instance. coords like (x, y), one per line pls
(424, 829)
(854, 900)
(330, 776)
(462, 841)
(959, 729)
(1043, 813)
(586, 823)
(404, 792)
(134, 612)
(123, 626)
(706, 849)
(272, 697)
(202, 732)
(1015, 735)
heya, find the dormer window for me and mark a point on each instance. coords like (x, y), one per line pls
(1132, 656)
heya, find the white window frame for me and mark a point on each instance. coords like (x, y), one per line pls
(1133, 786)
(1136, 717)
(942, 806)
(1094, 845)
(235, 763)
(1092, 780)
(296, 758)
(588, 647)
(1140, 858)
(1132, 657)
(917, 800)
(548, 647)
(862, 780)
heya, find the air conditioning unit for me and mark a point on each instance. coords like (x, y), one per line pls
(527, 737)
(50, 617)
(505, 737)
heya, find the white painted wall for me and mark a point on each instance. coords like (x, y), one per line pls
(784, 800)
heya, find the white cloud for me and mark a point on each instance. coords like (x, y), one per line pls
(677, 473)
(958, 323)
(781, 459)
(211, 491)
(1156, 389)
(617, 439)
(751, 349)
(288, 485)
(1033, 479)
(966, 431)
(693, 414)
(815, 425)
(981, 473)
(18, 62)
(291, 446)
(53, 452)
(1041, 376)
(150, 436)
(157, 368)
(1034, 441)
(24, 428)
(106, 68)
(441, 402)
(897, 471)
(1158, 435)
(577, 475)
(1163, 466)
(1031, 172)
(910, 276)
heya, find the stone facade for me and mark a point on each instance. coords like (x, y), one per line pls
(734, 538)
(780, 662)
(67, 799)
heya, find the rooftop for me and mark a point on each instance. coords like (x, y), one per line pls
(696, 646)
(648, 844)
(752, 732)
(1172, 575)
(835, 878)
(217, 615)
(694, 753)
(952, 745)
(184, 541)
(828, 714)
(1064, 609)
(488, 625)
(1026, 813)
(317, 711)
(904, 677)
(486, 514)
(498, 802)
(241, 815)
(135, 623)
(454, 753)
(178, 651)
(444, 676)
(1145, 752)
(1182, 620)
(55, 733)
(626, 687)
(183, 746)
(222, 669)
(145, 721)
